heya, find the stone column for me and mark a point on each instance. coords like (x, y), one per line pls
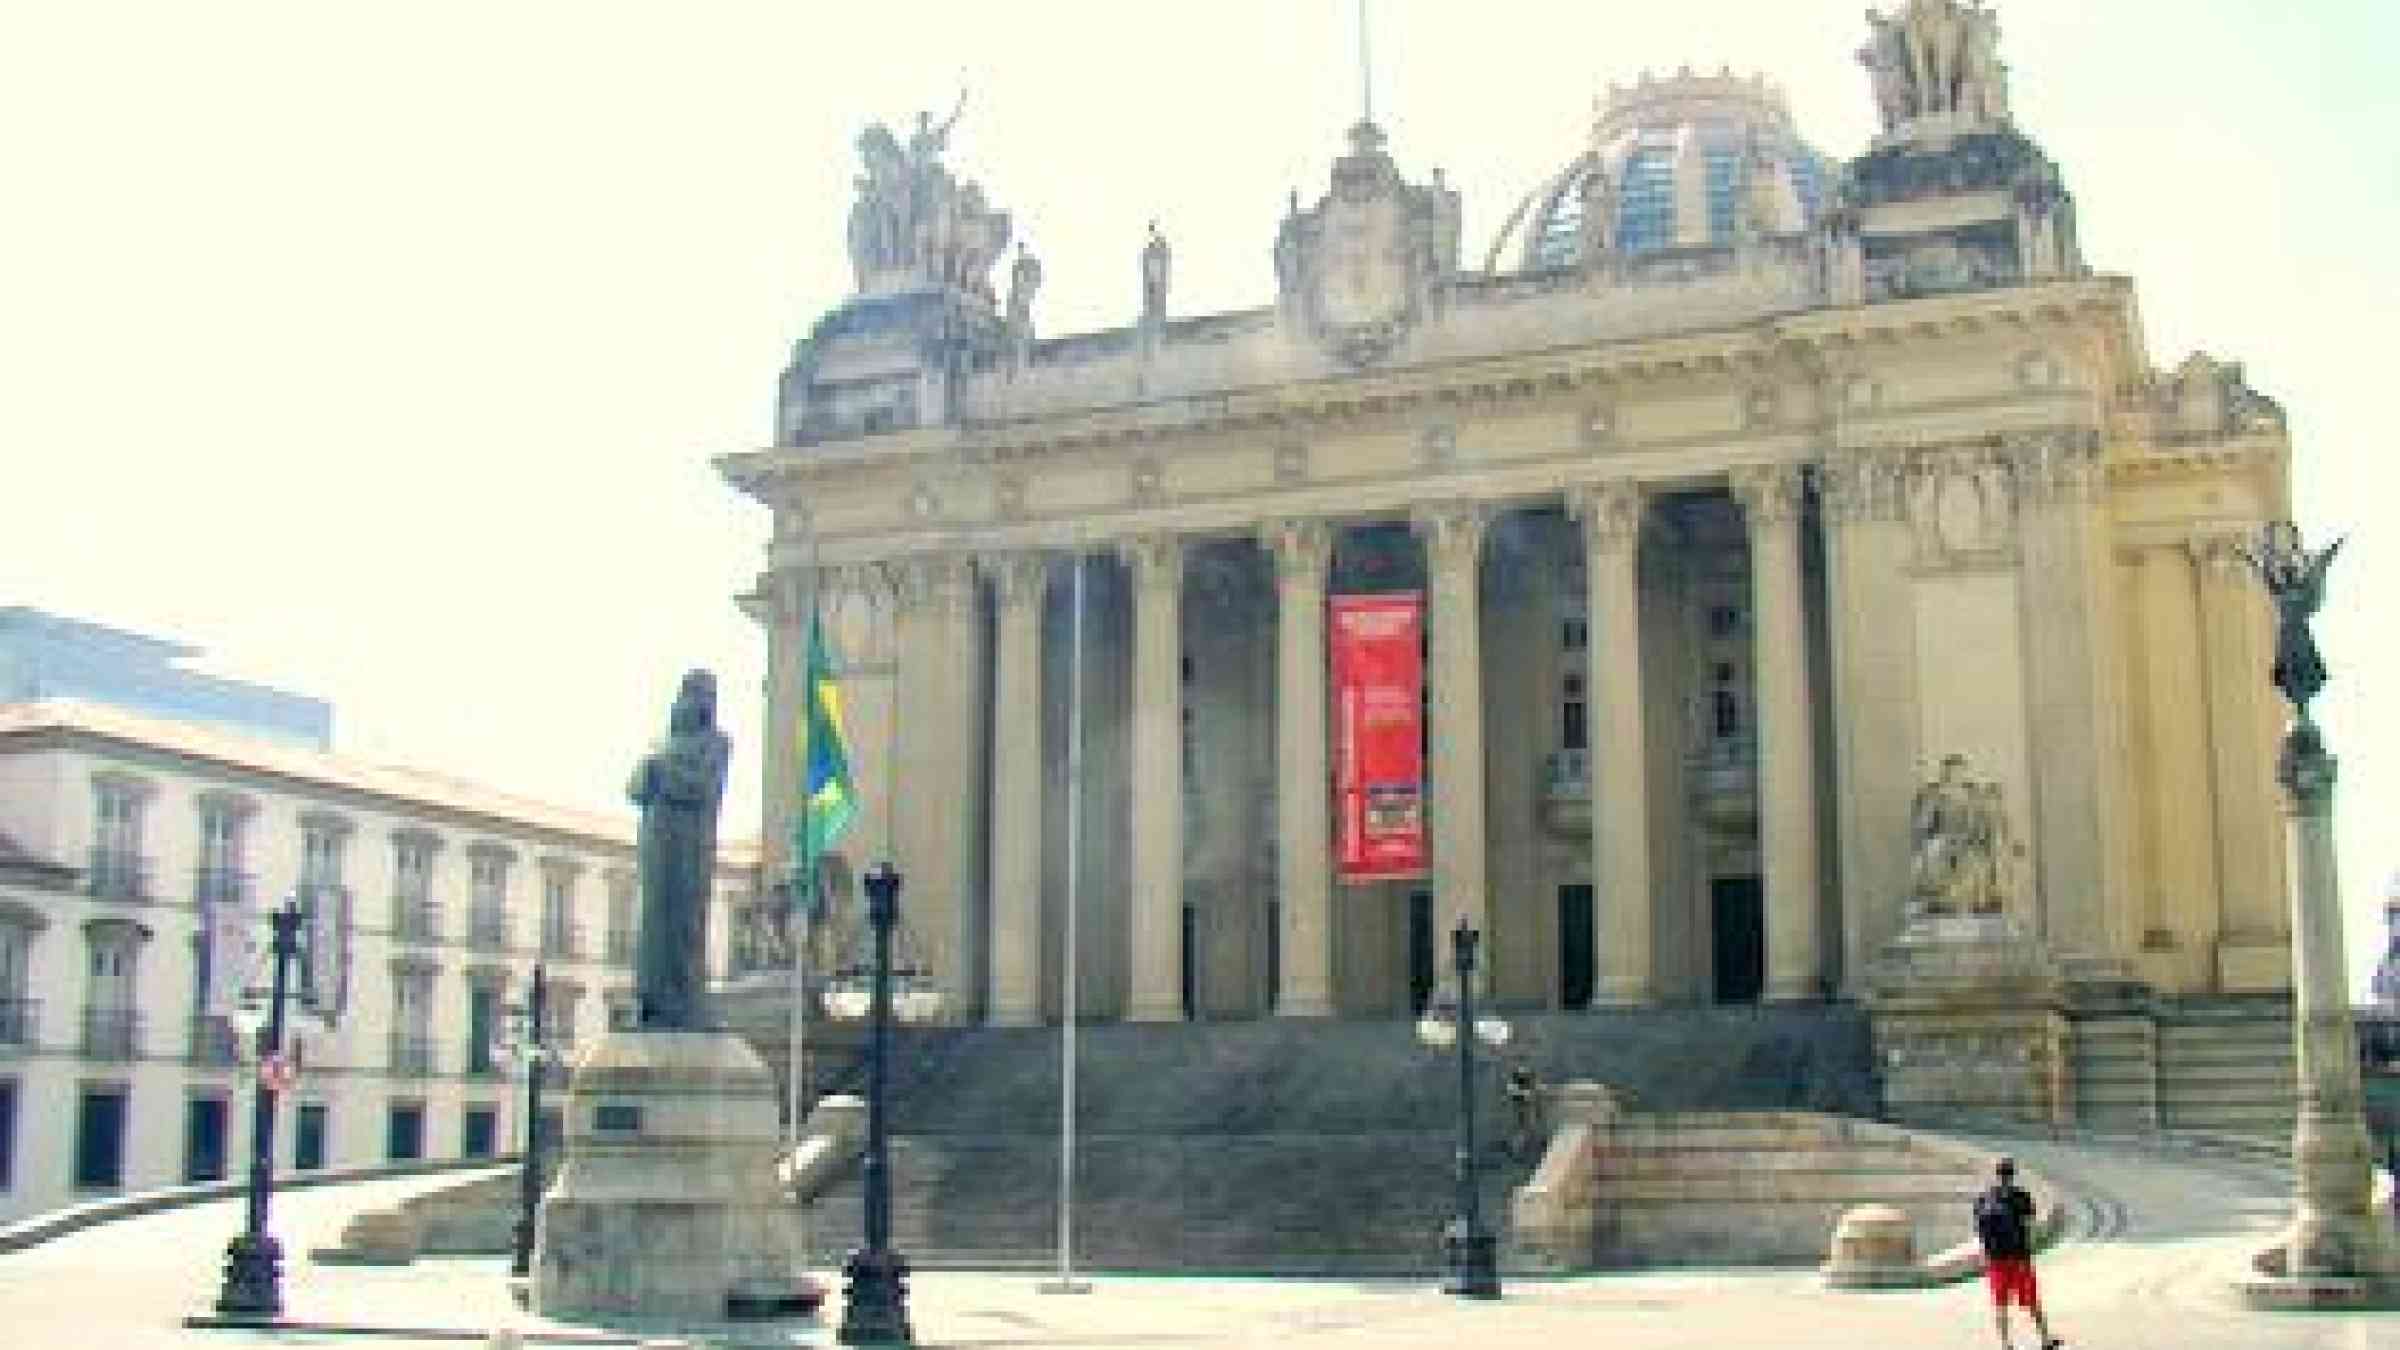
(2075, 785)
(2253, 949)
(939, 802)
(1155, 926)
(1303, 849)
(2337, 1241)
(1610, 513)
(1875, 716)
(782, 607)
(1018, 581)
(1453, 537)
(1787, 773)
(2182, 911)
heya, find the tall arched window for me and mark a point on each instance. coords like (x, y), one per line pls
(1646, 200)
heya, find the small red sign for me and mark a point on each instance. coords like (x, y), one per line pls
(277, 1073)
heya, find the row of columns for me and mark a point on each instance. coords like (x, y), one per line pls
(1610, 515)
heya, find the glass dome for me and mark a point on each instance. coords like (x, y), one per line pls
(1674, 162)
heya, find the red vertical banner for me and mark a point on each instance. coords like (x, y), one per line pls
(1379, 756)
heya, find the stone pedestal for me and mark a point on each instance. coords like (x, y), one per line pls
(1874, 1247)
(666, 1209)
(1970, 1026)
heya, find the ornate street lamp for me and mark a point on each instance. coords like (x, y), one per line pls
(875, 1306)
(253, 1287)
(524, 1043)
(1470, 1262)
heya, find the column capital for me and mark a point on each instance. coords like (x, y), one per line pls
(1017, 577)
(2222, 553)
(1610, 511)
(1769, 493)
(1862, 486)
(938, 581)
(1452, 532)
(1303, 548)
(1155, 559)
(2060, 467)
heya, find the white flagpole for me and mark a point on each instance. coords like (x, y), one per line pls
(1066, 1283)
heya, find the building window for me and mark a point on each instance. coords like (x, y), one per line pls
(8, 1133)
(100, 1139)
(487, 900)
(118, 869)
(1724, 167)
(412, 1019)
(1646, 201)
(324, 916)
(562, 937)
(479, 1133)
(483, 1026)
(1575, 634)
(308, 1137)
(220, 879)
(204, 1139)
(414, 918)
(17, 1007)
(1573, 733)
(620, 918)
(1724, 621)
(111, 1026)
(404, 1132)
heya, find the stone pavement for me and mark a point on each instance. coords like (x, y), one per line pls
(2152, 1246)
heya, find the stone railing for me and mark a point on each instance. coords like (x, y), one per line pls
(209, 1043)
(20, 1023)
(487, 929)
(416, 920)
(411, 1055)
(117, 874)
(112, 1034)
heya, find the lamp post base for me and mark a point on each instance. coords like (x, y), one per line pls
(253, 1278)
(1470, 1263)
(875, 1301)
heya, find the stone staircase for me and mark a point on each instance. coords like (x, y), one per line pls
(2115, 1064)
(1713, 1188)
(2225, 1066)
(1321, 1146)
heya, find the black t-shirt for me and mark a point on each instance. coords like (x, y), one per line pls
(2004, 1221)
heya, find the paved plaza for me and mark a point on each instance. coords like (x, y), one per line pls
(2152, 1244)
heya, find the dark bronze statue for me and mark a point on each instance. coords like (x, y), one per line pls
(678, 787)
(2295, 581)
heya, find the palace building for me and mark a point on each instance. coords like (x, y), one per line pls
(1733, 491)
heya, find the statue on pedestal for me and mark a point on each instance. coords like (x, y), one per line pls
(1156, 260)
(678, 787)
(1960, 860)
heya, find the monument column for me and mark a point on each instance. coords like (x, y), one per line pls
(1610, 513)
(1303, 848)
(1016, 841)
(1787, 776)
(1453, 537)
(1155, 920)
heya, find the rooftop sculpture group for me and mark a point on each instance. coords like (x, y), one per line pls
(915, 224)
(1937, 59)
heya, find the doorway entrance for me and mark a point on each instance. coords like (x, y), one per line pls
(1578, 953)
(1420, 951)
(1738, 926)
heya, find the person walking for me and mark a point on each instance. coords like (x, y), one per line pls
(2004, 1225)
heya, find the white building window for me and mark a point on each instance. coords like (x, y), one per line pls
(487, 899)
(118, 869)
(562, 937)
(220, 878)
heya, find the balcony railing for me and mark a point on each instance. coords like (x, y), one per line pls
(412, 1055)
(117, 874)
(482, 1063)
(487, 929)
(112, 1034)
(620, 946)
(563, 941)
(416, 920)
(212, 1044)
(220, 886)
(20, 1023)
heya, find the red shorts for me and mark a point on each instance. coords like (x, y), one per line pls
(2011, 1278)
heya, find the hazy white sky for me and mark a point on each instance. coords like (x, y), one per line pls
(381, 348)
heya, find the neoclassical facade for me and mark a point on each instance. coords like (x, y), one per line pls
(1742, 488)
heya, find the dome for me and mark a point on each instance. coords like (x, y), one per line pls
(1674, 161)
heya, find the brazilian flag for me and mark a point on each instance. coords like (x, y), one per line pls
(828, 799)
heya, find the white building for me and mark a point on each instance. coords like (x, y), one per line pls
(138, 858)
